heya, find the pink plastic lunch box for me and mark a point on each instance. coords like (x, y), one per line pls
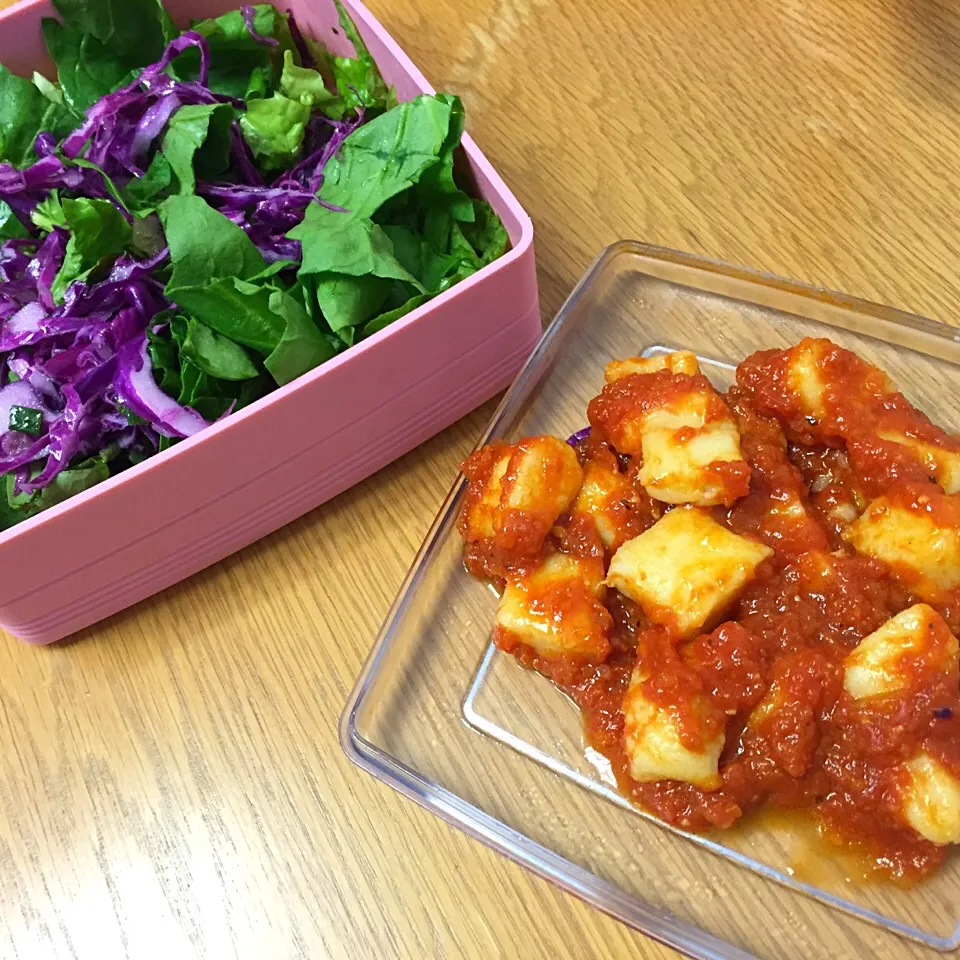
(259, 469)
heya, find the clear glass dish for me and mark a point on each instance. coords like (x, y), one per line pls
(498, 751)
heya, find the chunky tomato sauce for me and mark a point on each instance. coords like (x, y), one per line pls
(784, 640)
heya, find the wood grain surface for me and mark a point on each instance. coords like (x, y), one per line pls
(171, 785)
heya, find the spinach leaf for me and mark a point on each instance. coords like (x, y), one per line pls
(302, 346)
(487, 234)
(10, 225)
(341, 243)
(86, 69)
(204, 244)
(97, 230)
(165, 359)
(25, 112)
(348, 301)
(215, 354)
(240, 67)
(437, 186)
(202, 392)
(135, 29)
(68, 483)
(198, 139)
(407, 248)
(385, 319)
(140, 191)
(274, 129)
(387, 155)
(235, 309)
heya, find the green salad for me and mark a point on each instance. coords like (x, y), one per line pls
(189, 220)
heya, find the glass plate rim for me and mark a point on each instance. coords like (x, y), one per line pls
(472, 820)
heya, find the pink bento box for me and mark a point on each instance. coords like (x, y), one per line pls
(261, 468)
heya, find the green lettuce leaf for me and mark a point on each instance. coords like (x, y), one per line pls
(307, 86)
(274, 129)
(358, 79)
(241, 67)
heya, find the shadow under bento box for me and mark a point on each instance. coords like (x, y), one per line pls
(500, 752)
(249, 474)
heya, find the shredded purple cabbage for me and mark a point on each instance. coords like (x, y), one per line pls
(578, 437)
(79, 359)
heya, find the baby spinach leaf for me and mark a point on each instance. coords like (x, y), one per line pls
(204, 244)
(215, 354)
(302, 346)
(165, 359)
(97, 230)
(346, 302)
(240, 67)
(341, 243)
(407, 248)
(385, 319)
(235, 309)
(10, 225)
(487, 234)
(385, 156)
(86, 69)
(202, 392)
(135, 29)
(140, 191)
(274, 129)
(25, 112)
(437, 186)
(198, 140)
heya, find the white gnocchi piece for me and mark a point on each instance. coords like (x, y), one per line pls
(679, 361)
(482, 507)
(931, 800)
(654, 746)
(923, 553)
(805, 377)
(516, 492)
(542, 477)
(556, 610)
(686, 570)
(680, 454)
(876, 666)
(606, 496)
(942, 464)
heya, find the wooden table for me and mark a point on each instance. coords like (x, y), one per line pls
(171, 785)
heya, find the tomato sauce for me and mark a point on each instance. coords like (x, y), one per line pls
(773, 669)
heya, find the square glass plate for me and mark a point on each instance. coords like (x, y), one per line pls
(498, 751)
